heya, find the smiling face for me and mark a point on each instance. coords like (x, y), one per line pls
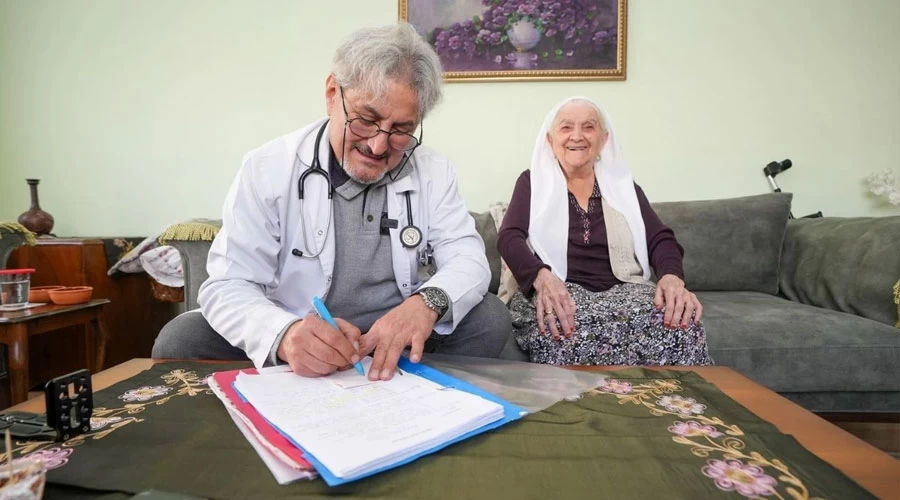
(367, 160)
(577, 136)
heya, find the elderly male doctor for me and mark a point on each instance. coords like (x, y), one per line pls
(345, 209)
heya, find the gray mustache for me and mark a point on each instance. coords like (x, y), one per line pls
(366, 150)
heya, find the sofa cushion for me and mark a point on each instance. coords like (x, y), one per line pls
(730, 244)
(791, 347)
(845, 264)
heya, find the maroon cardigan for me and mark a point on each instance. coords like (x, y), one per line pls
(588, 250)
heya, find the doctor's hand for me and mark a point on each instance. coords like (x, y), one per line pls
(679, 304)
(314, 348)
(553, 303)
(408, 324)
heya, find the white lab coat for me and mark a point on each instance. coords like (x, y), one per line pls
(256, 287)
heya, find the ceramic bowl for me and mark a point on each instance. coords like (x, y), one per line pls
(41, 293)
(71, 295)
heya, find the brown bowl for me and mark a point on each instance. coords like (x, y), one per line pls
(40, 293)
(71, 295)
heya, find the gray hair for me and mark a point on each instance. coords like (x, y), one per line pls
(371, 57)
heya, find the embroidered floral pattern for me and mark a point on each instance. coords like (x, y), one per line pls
(652, 392)
(53, 458)
(685, 406)
(615, 386)
(585, 214)
(145, 393)
(105, 421)
(693, 428)
(733, 475)
(98, 423)
(737, 470)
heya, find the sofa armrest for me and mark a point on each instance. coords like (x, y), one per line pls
(843, 264)
(192, 239)
(12, 236)
(193, 262)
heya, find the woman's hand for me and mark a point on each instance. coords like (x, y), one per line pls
(552, 302)
(679, 303)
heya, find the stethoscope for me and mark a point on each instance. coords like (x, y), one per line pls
(410, 236)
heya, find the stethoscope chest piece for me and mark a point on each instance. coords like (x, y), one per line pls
(411, 236)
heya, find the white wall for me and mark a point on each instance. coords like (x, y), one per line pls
(136, 114)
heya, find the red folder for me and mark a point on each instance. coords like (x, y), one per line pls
(253, 419)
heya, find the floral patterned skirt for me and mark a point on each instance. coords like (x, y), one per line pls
(619, 326)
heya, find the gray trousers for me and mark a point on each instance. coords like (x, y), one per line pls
(482, 333)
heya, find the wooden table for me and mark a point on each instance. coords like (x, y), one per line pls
(875, 470)
(17, 326)
(134, 317)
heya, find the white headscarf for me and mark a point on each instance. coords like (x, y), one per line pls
(548, 230)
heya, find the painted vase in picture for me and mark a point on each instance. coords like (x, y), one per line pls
(523, 35)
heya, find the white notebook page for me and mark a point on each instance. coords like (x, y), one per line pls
(353, 428)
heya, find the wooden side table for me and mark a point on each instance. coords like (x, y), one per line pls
(134, 317)
(17, 326)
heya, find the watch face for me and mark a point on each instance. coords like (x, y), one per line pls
(410, 236)
(436, 297)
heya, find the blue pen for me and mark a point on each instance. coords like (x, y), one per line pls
(323, 312)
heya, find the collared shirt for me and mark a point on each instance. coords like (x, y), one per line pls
(364, 287)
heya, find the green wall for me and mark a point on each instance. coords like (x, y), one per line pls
(137, 114)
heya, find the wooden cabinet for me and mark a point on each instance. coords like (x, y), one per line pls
(134, 317)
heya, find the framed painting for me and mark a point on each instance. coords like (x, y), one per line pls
(501, 40)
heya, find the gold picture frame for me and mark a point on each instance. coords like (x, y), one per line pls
(524, 40)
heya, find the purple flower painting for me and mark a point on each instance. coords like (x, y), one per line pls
(524, 39)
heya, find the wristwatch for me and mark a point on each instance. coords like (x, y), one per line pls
(436, 300)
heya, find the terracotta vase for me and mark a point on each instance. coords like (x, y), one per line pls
(36, 220)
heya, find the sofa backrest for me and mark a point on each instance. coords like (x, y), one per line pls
(844, 264)
(730, 244)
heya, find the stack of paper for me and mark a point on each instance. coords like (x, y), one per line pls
(347, 427)
(284, 460)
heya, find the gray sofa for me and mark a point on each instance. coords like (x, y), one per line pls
(802, 306)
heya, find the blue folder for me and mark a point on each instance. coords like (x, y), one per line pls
(510, 412)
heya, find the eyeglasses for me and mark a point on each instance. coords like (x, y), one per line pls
(401, 141)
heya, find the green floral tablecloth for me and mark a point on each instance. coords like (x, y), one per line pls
(643, 434)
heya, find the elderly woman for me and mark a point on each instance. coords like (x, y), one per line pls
(579, 237)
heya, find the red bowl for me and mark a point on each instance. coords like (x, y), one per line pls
(71, 295)
(40, 293)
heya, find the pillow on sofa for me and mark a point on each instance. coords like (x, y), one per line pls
(730, 244)
(844, 264)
